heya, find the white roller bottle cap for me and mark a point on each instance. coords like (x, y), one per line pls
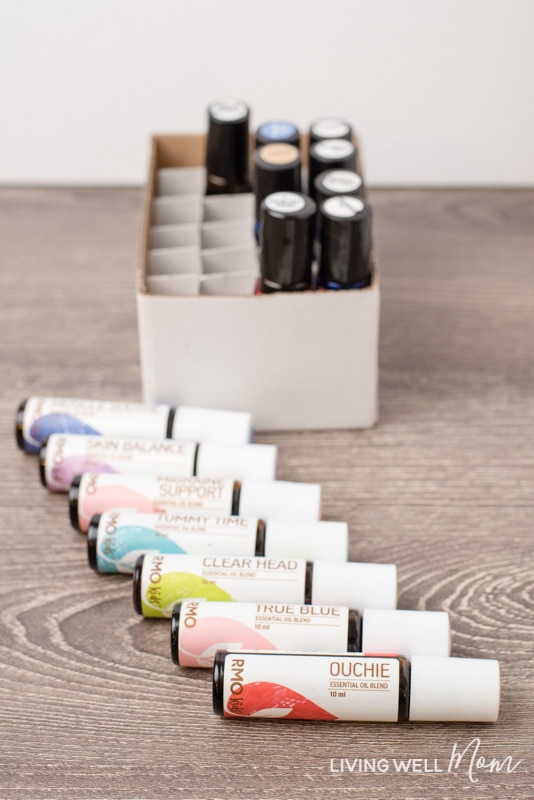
(255, 462)
(328, 541)
(354, 584)
(280, 499)
(408, 633)
(212, 425)
(454, 689)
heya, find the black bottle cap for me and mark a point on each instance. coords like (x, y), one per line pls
(276, 169)
(330, 154)
(287, 234)
(334, 182)
(227, 142)
(42, 463)
(175, 627)
(74, 493)
(277, 131)
(19, 425)
(92, 537)
(218, 681)
(345, 257)
(330, 128)
(138, 570)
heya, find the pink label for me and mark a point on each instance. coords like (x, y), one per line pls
(206, 627)
(151, 493)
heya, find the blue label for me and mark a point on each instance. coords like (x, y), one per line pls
(119, 552)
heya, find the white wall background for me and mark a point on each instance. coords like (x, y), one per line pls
(441, 91)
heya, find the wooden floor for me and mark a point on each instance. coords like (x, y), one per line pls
(90, 704)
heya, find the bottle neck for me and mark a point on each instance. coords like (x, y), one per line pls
(308, 583)
(170, 422)
(404, 689)
(137, 575)
(261, 531)
(236, 499)
(354, 632)
(195, 459)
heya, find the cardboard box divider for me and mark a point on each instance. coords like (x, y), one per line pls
(296, 360)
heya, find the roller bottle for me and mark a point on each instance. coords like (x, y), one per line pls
(38, 417)
(63, 456)
(335, 687)
(162, 580)
(201, 627)
(93, 493)
(116, 538)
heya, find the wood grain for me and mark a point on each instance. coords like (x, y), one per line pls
(90, 704)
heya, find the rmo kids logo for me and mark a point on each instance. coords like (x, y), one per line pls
(110, 529)
(154, 590)
(237, 683)
(190, 616)
(91, 483)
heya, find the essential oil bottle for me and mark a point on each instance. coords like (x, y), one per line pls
(330, 128)
(286, 242)
(330, 154)
(333, 182)
(63, 456)
(162, 580)
(39, 417)
(227, 150)
(201, 627)
(116, 538)
(95, 492)
(276, 169)
(277, 131)
(345, 243)
(359, 687)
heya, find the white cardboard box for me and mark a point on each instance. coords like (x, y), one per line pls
(296, 360)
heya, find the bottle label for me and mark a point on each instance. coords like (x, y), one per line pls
(68, 456)
(124, 535)
(342, 181)
(311, 686)
(46, 415)
(284, 202)
(330, 129)
(228, 110)
(333, 149)
(208, 627)
(104, 491)
(166, 579)
(343, 206)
